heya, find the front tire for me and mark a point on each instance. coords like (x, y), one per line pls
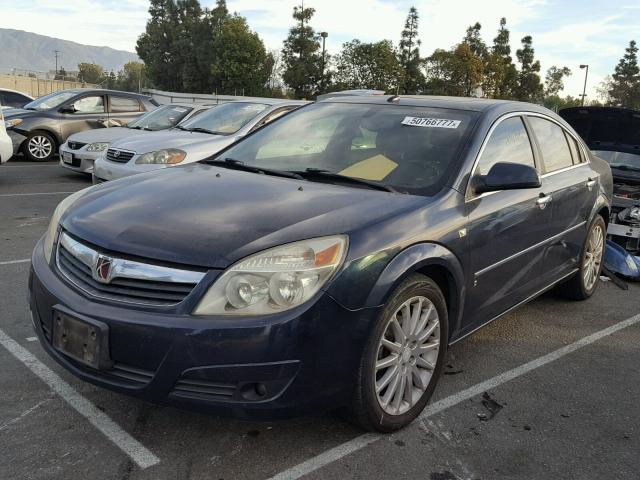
(39, 147)
(582, 285)
(403, 357)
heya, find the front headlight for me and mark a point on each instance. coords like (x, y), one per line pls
(170, 156)
(12, 123)
(275, 280)
(97, 147)
(52, 231)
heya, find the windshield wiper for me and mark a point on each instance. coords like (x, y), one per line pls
(202, 130)
(134, 128)
(180, 127)
(240, 165)
(311, 173)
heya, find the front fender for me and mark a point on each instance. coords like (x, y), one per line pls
(372, 286)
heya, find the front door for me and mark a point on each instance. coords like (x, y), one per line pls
(87, 113)
(507, 231)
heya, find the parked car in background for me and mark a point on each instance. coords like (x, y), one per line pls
(263, 282)
(613, 134)
(43, 124)
(193, 140)
(81, 150)
(13, 98)
(6, 149)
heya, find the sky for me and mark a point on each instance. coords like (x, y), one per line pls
(565, 32)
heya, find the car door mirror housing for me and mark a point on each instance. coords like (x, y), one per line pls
(507, 176)
(68, 109)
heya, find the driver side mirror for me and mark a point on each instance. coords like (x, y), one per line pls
(507, 176)
(68, 109)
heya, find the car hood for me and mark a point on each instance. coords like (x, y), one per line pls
(10, 113)
(166, 139)
(606, 128)
(107, 135)
(212, 217)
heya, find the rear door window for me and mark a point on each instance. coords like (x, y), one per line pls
(575, 149)
(553, 144)
(509, 142)
(124, 104)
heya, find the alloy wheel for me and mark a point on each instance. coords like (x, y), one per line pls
(40, 146)
(593, 257)
(407, 355)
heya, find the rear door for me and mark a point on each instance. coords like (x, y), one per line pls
(572, 185)
(507, 230)
(123, 109)
(89, 111)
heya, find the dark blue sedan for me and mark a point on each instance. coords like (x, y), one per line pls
(326, 260)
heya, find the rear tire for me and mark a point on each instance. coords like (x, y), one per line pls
(403, 357)
(39, 147)
(582, 285)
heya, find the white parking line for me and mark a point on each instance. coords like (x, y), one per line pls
(362, 441)
(12, 262)
(37, 193)
(121, 439)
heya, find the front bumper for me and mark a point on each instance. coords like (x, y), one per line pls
(261, 367)
(104, 170)
(82, 160)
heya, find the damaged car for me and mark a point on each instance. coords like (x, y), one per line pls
(295, 271)
(613, 134)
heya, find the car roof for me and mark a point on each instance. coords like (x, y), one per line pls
(15, 91)
(459, 103)
(104, 90)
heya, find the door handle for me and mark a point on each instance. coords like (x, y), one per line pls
(590, 183)
(543, 201)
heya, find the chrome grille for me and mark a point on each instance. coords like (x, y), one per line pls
(119, 156)
(127, 281)
(75, 145)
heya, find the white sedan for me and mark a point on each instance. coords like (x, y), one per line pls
(192, 140)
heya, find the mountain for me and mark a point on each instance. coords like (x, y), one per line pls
(30, 51)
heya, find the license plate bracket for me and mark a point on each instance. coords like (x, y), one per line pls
(83, 339)
(67, 157)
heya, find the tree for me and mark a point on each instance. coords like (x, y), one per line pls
(91, 73)
(474, 40)
(242, 65)
(553, 81)
(367, 65)
(624, 89)
(500, 72)
(457, 72)
(409, 55)
(132, 77)
(300, 56)
(157, 46)
(529, 88)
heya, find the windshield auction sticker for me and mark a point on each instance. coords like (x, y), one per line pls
(430, 122)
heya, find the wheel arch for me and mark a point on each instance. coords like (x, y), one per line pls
(432, 260)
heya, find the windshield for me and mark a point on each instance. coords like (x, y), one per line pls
(161, 118)
(412, 149)
(620, 160)
(225, 119)
(53, 100)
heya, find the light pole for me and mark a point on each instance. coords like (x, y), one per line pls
(324, 36)
(584, 89)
